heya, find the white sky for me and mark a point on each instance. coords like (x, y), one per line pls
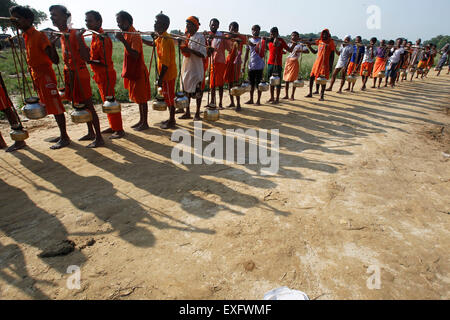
(408, 18)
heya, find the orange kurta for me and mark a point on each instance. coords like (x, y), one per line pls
(44, 78)
(104, 75)
(234, 60)
(76, 75)
(165, 50)
(138, 88)
(322, 66)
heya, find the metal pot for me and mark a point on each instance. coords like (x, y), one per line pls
(111, 106)
(33, 109)
(382, 74)
(211, 113)
(275, 80)
(237, 91)
(181, 101)
(321, 80)
(18, 133)
(159, 104)
(62, 92)
(365, 73)
(351, 79)
(247, 87)
(412, 70)
(299, 83)
(263, 87)
(81, 114)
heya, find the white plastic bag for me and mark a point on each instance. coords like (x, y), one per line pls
(284, 293)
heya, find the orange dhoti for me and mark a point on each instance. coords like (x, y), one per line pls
(5, 103)
(114, 119)
(168, 92)
(380, 65)
(367, 66)
(291, 70)
(46, 85)
(351, 68)
(81, 90)
(232, 72)
(138, 90)
(217, 75)
(422, 64)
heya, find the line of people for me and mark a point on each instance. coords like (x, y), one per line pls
(202, 52)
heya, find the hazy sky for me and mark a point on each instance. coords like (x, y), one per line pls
(408, 18)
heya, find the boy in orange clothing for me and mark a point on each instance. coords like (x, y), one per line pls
(103, 67)
(76, 74)
(134, 73)
(234, 62)
(40, 56)
(7, 107)
(167, 66)
(217, 46)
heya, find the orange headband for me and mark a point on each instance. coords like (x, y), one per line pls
(194, 21)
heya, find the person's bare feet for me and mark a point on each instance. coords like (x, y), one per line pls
(60, 144)
(142, 127)
(238, 109)
(328, 89)
(168, 125)
(88, 137)
(285, 98)
(309, 96)
(179, 111)
(347, 89)
(316, 92)
(339, 91)
(54, 140)
(231, 106)
(321, 99)
(136, 125)
(292, 99)
(185, 116)
(16, 146)
(109, 130)
(197, 117)
(117, 135)
(97, 143)
(250, 102)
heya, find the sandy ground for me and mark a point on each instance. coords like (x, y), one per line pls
(363, 182)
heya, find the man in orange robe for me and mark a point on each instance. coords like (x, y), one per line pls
(167, 66)
(104, 73)
(76, 74)
(324, 62)
(234, 61)
(135, 73)
(40, 56)
(6, 106)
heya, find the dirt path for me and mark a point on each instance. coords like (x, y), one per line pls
(363, 182)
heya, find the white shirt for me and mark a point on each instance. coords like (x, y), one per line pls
(345, 55)
(395, 58)
(192, 72)
(298, 50)
(369, 55)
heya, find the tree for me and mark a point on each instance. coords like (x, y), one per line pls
(39, 16)
(440, 41)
